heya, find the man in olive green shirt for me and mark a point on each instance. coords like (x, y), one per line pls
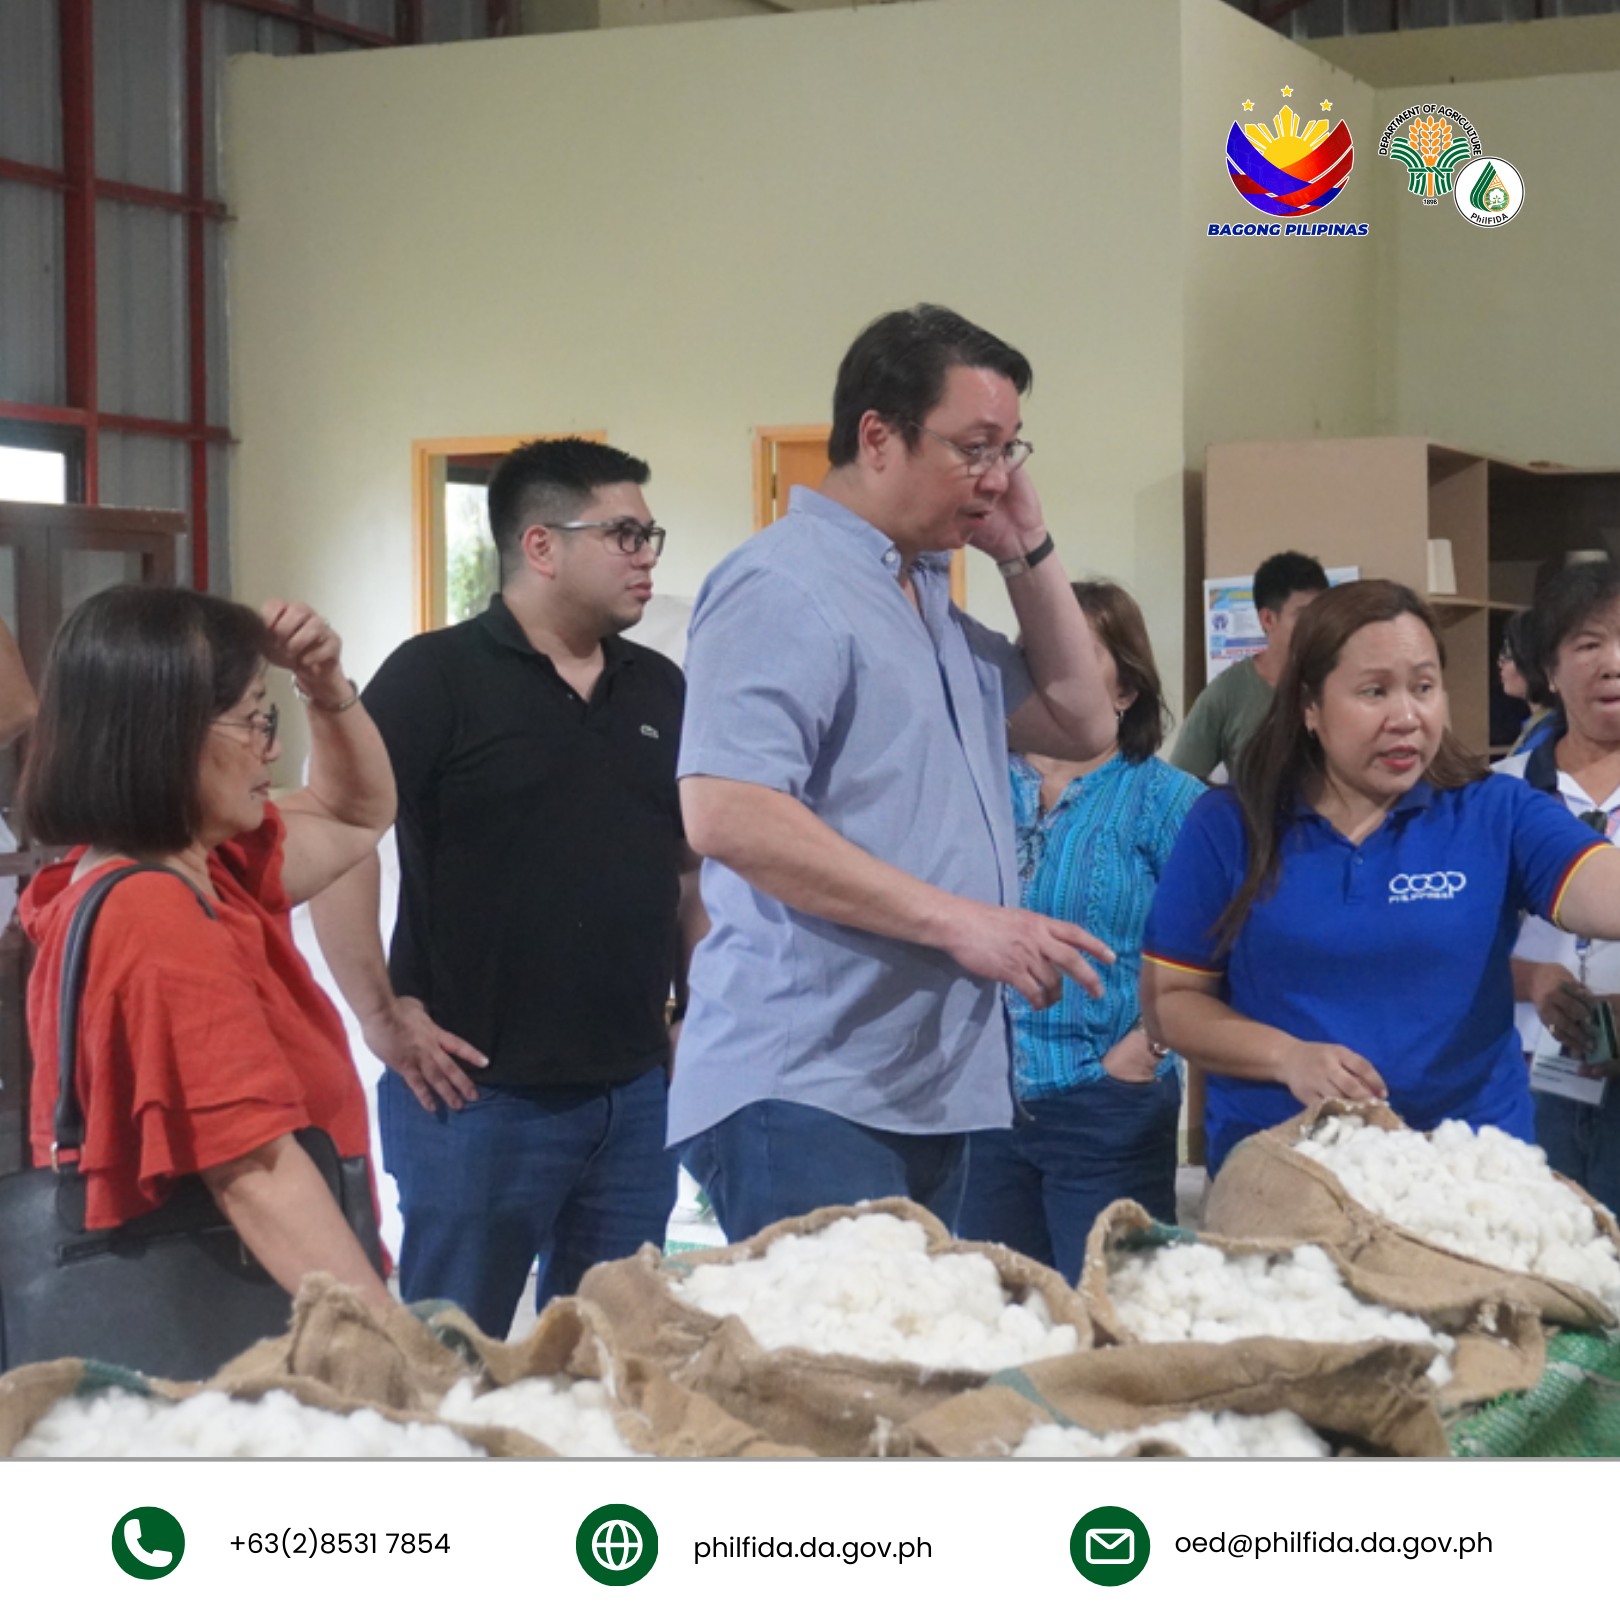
(1229, 710)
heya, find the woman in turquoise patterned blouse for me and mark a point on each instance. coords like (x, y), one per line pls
(1099, 1106)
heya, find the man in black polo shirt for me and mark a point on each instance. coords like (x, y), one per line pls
(545, 892)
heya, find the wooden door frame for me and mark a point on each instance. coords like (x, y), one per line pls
(765, 440)
(427, 595)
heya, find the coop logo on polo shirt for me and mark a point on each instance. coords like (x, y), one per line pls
(1406, 886)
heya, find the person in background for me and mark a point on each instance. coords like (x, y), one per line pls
(1229, 710)
(205, 1042)
(1559, 978)
(1100, 1103)
(1521, 677)
(1341, 925)
(844, 769)
(547, 902)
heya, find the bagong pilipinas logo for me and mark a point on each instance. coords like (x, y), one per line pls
(1287, 171)
(1435, 143)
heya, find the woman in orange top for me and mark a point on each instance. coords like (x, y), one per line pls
(205, 1042)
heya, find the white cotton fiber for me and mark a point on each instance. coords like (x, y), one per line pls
(1194, 1291)
(867, 1286)
(571, 1415)
(1198, 1434)
(118, 1423)
(1486, 1195)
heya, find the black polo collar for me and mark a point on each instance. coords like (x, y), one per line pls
(500, 624)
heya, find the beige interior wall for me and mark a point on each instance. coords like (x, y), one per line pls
(1507, 341)
(1277, 330)
(672, 234)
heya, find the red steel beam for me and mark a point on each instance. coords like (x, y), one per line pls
(311, 20)
(408, 22)
(172, 202)
(155, 427)
(79, 224)
(197, 290)
(31, 174)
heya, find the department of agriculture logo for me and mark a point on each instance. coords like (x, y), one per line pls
(616, 1545)
(1109, 1546)
(1433, 141)
(148, 1543)
(1489, 191)
(1287, 170)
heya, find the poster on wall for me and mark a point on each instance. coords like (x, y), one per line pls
(1231, 623)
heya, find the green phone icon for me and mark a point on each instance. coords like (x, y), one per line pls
(148, 1543)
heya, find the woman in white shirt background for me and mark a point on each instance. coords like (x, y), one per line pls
(1560, 979)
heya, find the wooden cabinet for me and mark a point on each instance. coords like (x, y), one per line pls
(1377, 502)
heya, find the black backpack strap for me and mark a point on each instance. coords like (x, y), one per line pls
(69, 1119)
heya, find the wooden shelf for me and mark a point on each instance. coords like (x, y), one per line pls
(1377, 502)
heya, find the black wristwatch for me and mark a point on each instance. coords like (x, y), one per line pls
(1014, 566)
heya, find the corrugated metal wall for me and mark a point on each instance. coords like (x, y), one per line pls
(154, 420)
(1324, 19)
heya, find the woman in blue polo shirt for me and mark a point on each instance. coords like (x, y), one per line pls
(1340, 925)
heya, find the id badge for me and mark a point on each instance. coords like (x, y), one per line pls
(1562, 1076)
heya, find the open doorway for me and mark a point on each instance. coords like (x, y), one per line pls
(456, 568)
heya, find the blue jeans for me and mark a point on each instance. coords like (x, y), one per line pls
(1583, 1142)
(1039, 1186)
(771, 1160)
(568, 1177)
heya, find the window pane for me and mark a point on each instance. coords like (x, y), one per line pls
(32, 475)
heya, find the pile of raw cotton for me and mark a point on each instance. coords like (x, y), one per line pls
(1195, 1291)
(1196, 1434)
(867, 1286)
(570, 1415)
(1486, 1195)
(119, 1423)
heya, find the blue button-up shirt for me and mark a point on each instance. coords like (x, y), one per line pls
(809, 671)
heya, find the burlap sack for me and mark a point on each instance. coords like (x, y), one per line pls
(28, 1393)
(834, 1406)
(1500, 1345)
(1266, 1190)
(573, 1339)
(1367, 1398)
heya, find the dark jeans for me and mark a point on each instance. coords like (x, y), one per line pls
(1039, 1186)
(569, 1178)
(771, 1160)
(1583, 1142)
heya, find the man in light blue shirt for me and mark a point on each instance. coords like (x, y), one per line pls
(844, 771)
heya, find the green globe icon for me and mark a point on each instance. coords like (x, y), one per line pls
(617, 1544)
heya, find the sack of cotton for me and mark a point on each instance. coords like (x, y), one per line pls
(829, 1331)
(1434, 1223)
(1255, 1397)
(1145, 1283)
(569, 1386)
(74, 1408)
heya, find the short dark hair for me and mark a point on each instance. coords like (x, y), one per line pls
(1117, 622)
(897, 368)
(1519, 644)
(135, 678)
(1567, 600)
(551, 478)
(1277, 578)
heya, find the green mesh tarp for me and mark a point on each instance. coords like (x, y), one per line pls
(1573, 1412)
